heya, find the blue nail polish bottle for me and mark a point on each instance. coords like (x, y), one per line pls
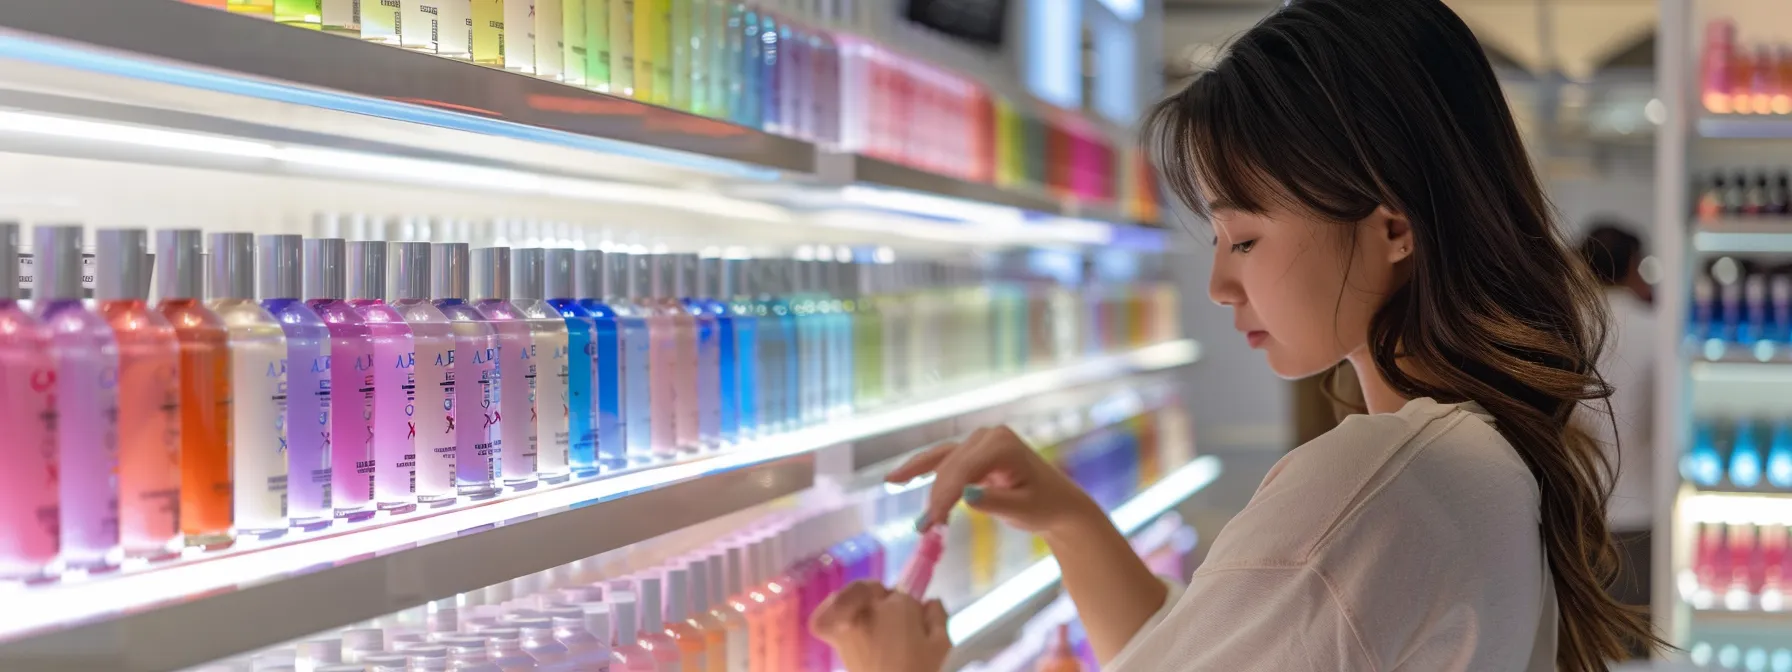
(581, 347)
(1745, 457)
(607, 359)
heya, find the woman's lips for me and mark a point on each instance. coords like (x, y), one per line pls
(1256, 338)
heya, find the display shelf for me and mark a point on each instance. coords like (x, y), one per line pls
(1022, 594)
(1744, 235)
(206, 606)
(1749, 508)
(211, 50)
(1744, 126)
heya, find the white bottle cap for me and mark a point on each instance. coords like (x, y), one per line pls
(652, 610)
(624, 611)
(678, 595)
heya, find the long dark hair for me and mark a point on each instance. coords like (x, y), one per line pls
(1337, 107)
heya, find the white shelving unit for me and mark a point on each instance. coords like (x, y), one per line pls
(1695, 380)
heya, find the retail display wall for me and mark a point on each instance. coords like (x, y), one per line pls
(1724, 464)
(339, 346)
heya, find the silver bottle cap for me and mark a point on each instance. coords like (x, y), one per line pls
(325, 268)
(618, 275)
(282, 266)
(491, 273)
(367, 270)
(560, 279)
(9, 260)
(409, 271)
(180, 270)
(233, 266)
(58, 260)
(710, 281)
(449, 271)
(734, 279)
(121, 264)
(588, 274)
(689, 276)
(640, 276)
(528, 270)
(665, 275)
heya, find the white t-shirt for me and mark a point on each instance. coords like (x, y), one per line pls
(1627, 364)
(1399, 541)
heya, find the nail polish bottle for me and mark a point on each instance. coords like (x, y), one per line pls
(701, 610)
(205, 408)
(585, 650)
(1779, 456)
(1702, 464)
(781, 346)
(706, 346)
(580, 362)
(723, 586)
(663, 354)
(627, 285)
(740, 353)
(350, 439)
(431, 390)
(718, 370)
(477, 380)
(28, 489)
(627, 650)
(85, 357)
(550, 358)
(653, 635)
(491, 296)
(258, 385)
(609, 420)
(148, 396)
(678, 336)
(744, 600)
(467, 653)
(536, 634)
(1745, 457)
(307, 422)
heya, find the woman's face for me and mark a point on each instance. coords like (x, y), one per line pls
(1299, 288)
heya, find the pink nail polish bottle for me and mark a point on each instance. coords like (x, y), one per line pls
(28, 486)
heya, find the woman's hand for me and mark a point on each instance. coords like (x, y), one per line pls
(875, 629)
(997, 473)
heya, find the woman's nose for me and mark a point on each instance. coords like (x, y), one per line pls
(1223, 287)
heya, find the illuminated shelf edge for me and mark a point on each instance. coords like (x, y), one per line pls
(1130, 517)
(1741, 508)
(1742, 235)
(1745, 126)
(123, 604)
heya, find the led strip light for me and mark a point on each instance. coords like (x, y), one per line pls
(1735, 508)
(1044, 575)
(79, 598)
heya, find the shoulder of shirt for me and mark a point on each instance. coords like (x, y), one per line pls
(1321, 487)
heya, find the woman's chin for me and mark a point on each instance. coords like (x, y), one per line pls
(1294, 368)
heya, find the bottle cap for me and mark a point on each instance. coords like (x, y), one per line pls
(690, 276)
(588, 274)
(320, 651)
(325, 262)
(448, 271)
(699, 571)
(528, 271)
(121, 263)
(491, 273)
(326, 225)
(624, 609)
(467, 650)
(618, 275)
(652, 610)
(560, 278)
(665, 276)
(678, 595)
(367, 270)
(180, 270)
(409, 271)
(712, 282)
(640, 276)
(736, 581)
(717, 568)
(597, 622)
(282, 265)
(58, 261)
(233, 266)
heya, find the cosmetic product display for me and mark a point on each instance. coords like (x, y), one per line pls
(351, 435)
(550, 361)
(430, 387)
(205, 390)
(517, 445)
(1741, 309)
(306, 424)
(28, 505)
(1736, 78)
(259, 389)
(580, 362)
(1746, 454)
(1755, 193)
(1739, 567)
(475, 406)
(85, 357)
(1730, 655)
(388, 370)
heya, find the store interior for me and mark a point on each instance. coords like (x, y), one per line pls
(771, 249)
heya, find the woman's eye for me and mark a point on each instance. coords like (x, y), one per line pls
(1243, 246)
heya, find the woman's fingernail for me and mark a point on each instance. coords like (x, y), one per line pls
(921, 523)
(972, 493)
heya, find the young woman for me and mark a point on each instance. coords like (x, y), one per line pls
(1371, 203)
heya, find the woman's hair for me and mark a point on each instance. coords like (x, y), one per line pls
(1337, 107)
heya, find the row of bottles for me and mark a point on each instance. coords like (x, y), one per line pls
(1739, 567)
(1735, 79)
(327, 380)
(1753, 193)
(1745, 454)
(1739, 304)
(1706, 655)
(729, 595)
(806, 71)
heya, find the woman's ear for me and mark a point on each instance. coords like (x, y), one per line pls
(1395, 231)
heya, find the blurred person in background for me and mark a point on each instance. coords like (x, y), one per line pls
(1615, 257)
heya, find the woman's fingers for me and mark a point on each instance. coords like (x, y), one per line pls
(845, 608)
(933, 618)
(927, 461)
(963, 467)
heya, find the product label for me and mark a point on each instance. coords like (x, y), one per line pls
(517, 402)
(395, 477)
(381, 20)
(422, 25)
(519, 35)
(344, 15)
(476, 411)
(553, 407)
(431, 413)
(487, 31)
(550, 43)
(307, 430)
(27, 275)
(258, 380)
(454, 29)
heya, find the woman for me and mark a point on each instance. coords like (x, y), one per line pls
(1371, 203)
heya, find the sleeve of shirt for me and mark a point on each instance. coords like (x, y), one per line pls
(1252, 618)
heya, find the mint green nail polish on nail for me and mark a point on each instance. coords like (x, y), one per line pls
(972, 493)
(921, 523)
